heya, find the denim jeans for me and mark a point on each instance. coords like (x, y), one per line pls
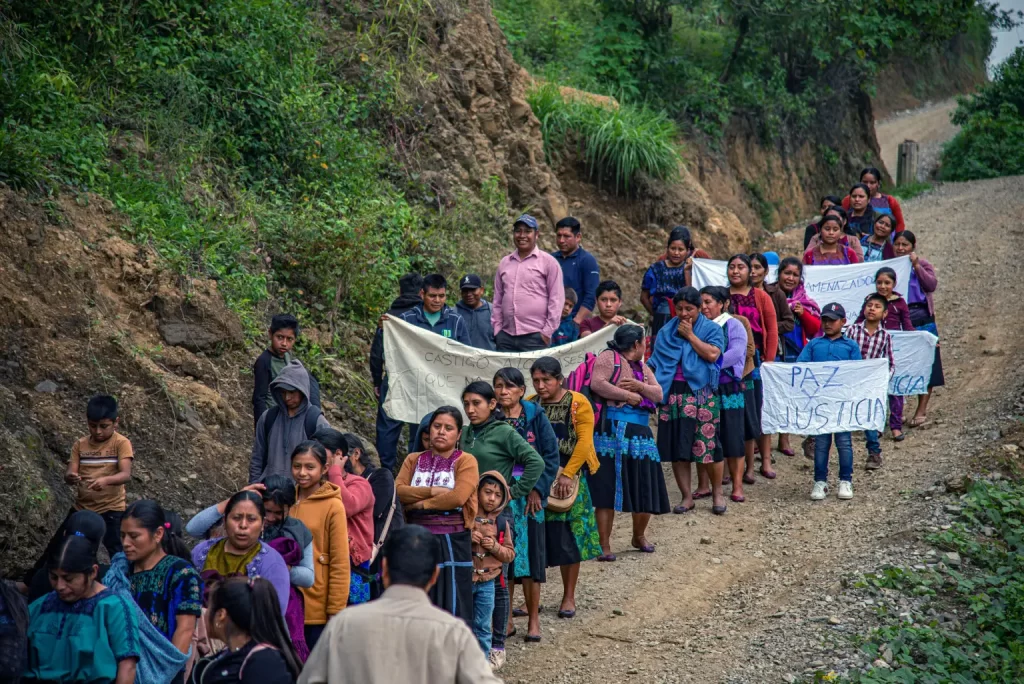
(844, 445)
(499, 625)
(871, 440)
(389, 431)
(483, 613)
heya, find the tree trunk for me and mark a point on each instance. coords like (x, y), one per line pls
(744, 28)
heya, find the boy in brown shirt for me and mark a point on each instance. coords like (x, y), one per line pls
(100, 466)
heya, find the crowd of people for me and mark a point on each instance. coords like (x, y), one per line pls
(329, 567)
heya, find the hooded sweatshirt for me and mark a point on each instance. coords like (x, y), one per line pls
(324, 515)
(478, 321)
(497, 446)
(399, 306)
(357, 495)
(272, 456)
(487, 564)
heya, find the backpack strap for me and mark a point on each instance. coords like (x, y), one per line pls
(312, 416)
(269, 417)
(379, 544)
(255, 649)
(617, 369)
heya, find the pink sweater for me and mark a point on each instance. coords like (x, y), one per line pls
(357, 495)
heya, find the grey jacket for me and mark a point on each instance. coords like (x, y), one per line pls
(478, 321)
(273, 456)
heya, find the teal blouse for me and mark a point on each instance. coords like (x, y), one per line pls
(82, 641)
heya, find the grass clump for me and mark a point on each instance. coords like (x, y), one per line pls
(911, 190)
(614, 143)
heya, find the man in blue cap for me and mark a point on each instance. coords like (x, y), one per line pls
(528, 293)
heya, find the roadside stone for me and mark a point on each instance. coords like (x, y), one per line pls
(47, 387)
(881, 664)
(952, 559)
(834, 620)
(618, 611)
(705, 540)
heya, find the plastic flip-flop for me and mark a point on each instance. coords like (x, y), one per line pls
(701, 495)
(738, 498)
(567, 614)
(606, 558)
(767, 475)
(680, 509)
(718, 510)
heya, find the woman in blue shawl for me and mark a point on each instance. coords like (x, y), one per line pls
(685, 359)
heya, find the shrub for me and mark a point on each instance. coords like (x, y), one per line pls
(615, 143)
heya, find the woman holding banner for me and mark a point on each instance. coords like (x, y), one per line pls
(923, 283)
(757, 307)
(684, 363)
(758, 275)
(807, 315)
(630, 479)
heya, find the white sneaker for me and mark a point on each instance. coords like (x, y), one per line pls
(497, 660)
(845, 489)
(819, 491)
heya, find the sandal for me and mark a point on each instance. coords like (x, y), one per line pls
(788, 452)
(899, 438)
(531, 639)
(726, 480)
(718, 510)
(680, 509)
(567, 614)
(511, 634)
(518, 612)
(606, 558)
(646, 547)
(918, 421)
(701, 495)
(767, 475)
(749, 479)
(738, 498)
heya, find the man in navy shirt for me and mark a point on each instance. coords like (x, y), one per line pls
(579, 267)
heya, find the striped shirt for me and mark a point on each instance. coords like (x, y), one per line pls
(93, 461)
(876, 346)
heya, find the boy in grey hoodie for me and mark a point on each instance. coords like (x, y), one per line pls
(476, 311)
(282, 427)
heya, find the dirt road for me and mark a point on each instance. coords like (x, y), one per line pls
(929, 126)
(755, 596)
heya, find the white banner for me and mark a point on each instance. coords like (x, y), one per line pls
(846, 284)
(426, 370)
(822, 398)
(913, 351)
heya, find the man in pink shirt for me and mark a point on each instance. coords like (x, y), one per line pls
(528, 293)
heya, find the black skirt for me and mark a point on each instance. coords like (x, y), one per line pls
(630, 479)
(922, 320)
(752, 408)
(732, 430)
(453, 591)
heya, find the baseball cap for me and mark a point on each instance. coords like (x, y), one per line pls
(527, 221)
(833, 310)
(470, 281)
(285, 387)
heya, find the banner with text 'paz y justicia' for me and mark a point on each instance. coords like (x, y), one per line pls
(822, 398)
(426, 370)
(846, 284)
(913, 352)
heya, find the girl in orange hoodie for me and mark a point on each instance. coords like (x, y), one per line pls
(357, 496)
(319, 506)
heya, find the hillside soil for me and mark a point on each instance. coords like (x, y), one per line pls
(760, 595)
(929, 126)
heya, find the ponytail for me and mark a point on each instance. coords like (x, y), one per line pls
(254, 607)
(152, 517)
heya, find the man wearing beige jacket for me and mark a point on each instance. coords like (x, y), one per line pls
(400, 637)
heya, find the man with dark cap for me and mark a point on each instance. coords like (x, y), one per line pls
(476, 311)
(528, 293)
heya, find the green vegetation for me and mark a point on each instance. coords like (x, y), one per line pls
(911, 190)
(985, 588)
(615, 143)
(237, 138)
(786, 64)
(991, 138)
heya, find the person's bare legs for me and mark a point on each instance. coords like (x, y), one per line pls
(764, 445)
(784, 443)
(736, 474)
(703, 482)
(605, 519)
(681, 470)
(749, 448)
(715, 471)
(570, 574)
(531, 592)
(640, 522)
(921, 414)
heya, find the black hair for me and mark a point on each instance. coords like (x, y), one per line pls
(86, 524)
(284, 322)
(626, 337)
(279, 489)
(837, 210)
(608, 286)
(878, 298)
(682, 234)
(570, 295)
(908, 235)
(759, 258)
(511, 376)
(745, 259)
(862, 187)
(255, 608)
(885, 270)
(354, 443)
(331, 439)
(75, 555)
(830, 198)
(410, 284)
(570, 223)
(548, 365)
(101, 407)
(412, 553)
(310, 445)
(447, 411)
(151, 516)
(829, 216)
(689, 295)
(246, 495)
(481, 387)
(792, 261)
(717, 292)
(435, 281)
(874, 172)
(879, 217)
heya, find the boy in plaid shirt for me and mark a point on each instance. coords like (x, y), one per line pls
(875, 343)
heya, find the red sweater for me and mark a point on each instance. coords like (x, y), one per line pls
(357, 495)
